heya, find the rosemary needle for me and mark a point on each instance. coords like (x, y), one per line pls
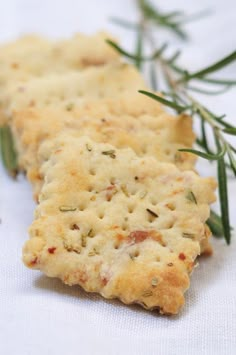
(8, 153)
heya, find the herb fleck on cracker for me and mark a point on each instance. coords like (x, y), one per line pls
(110, 153)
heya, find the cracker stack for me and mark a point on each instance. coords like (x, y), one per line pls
(121, 212)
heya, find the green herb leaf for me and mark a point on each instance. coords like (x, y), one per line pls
(123, 23)
(219, 119)
(204, 138)
(207, 156)
(232, 161)
(223, 192)
(215, 224)
(207, 92)
(159, 51)
(200, 143)
(8, 152)
(174, 57)
(139, 49)
(152, 213)
(218, 81)
(231, 147)
(121, 50)
(196, 16)
(172, 14)
(230, 131)
(211, 68)
(111, 153)
(137, 58)
(191, 197)
(188, 235)
(153, 77)
(164, 101)
(167, 20)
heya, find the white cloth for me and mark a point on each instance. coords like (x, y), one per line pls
(41, 316)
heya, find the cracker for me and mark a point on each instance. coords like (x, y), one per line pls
(117, 224)
(33, 55)
(57, 89)
(116, 121)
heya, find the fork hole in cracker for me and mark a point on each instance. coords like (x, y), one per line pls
(170, 224)
(92, 171)
(82, 207)
(134, 254)
(101, 214)
(117, 245)
(133, 190)
(91, 233)
(124, 226)
(131, 208)
(153, 201)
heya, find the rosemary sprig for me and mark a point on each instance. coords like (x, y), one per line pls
(178, 96)
(171, 21)
(8, 153)
(210, 69)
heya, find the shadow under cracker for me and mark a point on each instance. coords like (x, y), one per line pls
(55, 285)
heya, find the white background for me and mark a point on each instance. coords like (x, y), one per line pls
(40, 316)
